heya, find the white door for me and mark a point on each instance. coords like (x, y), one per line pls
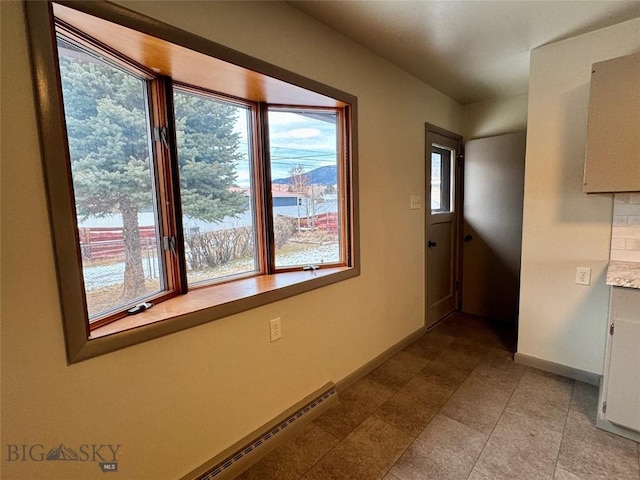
(443, 167)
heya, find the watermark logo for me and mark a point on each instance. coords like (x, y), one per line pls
(61, 453)
(105, 455)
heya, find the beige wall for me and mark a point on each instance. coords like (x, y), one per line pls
(174, 402)
(563, 227)
(498, 116)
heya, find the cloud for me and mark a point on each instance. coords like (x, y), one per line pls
(304, 132)
(285, 118)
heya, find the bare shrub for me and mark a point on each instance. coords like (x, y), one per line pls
(213, 249)
(283, 229)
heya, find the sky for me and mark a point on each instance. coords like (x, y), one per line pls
(295, 139)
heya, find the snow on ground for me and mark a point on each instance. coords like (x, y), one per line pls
(106, 275)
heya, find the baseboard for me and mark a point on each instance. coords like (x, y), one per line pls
(605, 424)
(371, 365)
(557, 368)
(252, 448)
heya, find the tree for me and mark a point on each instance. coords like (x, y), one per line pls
(208, 154)
(300, 183)
(330, 190)
(107, 128)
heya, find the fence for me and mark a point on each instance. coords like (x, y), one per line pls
(99, 243)
(327, 222)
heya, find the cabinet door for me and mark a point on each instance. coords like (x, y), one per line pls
(613, 138)
(623, 389)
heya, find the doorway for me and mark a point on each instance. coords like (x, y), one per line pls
(493, 192)
(443, 219)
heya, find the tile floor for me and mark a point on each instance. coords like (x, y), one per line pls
(453, 405)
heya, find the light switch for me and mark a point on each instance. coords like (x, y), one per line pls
(415, 202)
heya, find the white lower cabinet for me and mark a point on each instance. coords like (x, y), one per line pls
(619, 406)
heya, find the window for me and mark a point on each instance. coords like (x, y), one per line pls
(194, 183)
(306, 187)
(441, 180)
(217, 187)
(110, 152)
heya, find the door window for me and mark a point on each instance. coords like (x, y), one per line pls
(441, 179)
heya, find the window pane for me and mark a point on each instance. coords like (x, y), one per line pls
(436, 179)
(441, 180)
(107, 127)
(305, 187)
(216, 186)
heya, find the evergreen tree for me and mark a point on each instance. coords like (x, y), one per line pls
(105, 110)
(207, 155)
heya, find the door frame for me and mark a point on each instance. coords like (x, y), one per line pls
(440, 136)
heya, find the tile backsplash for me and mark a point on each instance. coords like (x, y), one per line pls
(625, 234)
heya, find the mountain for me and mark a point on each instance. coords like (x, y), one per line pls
(62, 453)
(318, 176)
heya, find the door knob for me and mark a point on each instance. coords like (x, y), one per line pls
(431, 244)
(468, 238)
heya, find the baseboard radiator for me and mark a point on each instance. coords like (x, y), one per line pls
(248, 451)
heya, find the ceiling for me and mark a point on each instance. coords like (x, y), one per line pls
(469, 50)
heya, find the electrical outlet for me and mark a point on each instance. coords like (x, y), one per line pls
(583, 276)
(275, 328)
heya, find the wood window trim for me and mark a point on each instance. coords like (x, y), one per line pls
(343, 148)
(140, 38)
(201, 305)
(204, 305)
(229, 298)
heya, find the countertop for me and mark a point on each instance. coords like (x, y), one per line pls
(623, 274)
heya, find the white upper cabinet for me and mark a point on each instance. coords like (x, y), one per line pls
(613, 138)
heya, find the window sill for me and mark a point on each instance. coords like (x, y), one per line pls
(204, 305)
